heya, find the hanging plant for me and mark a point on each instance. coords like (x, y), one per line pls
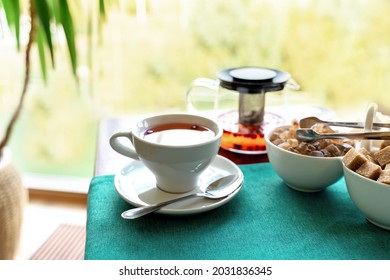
(43, 15)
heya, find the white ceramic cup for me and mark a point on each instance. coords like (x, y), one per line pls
(177, 163)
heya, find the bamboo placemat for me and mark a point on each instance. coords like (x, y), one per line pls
(67, 242)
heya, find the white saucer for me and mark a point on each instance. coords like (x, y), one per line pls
(137, 185)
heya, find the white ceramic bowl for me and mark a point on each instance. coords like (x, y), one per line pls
(301, 172)
(372, 198)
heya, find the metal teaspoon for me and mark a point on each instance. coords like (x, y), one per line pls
(307, 135)
(310, 121)
(220, 188)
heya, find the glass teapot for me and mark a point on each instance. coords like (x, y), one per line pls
(238, 99)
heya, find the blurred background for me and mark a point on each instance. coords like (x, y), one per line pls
(146, 53)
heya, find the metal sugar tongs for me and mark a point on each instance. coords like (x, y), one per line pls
(307, 134)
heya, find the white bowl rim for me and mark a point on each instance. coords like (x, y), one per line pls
(365, 179)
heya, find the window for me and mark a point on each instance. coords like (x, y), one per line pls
(147, 53)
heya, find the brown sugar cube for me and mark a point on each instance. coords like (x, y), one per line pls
(353, 159)
(384, 177)
(367, 154)
(369, 170)
(384, 144)
(383, 156)
(387, 167)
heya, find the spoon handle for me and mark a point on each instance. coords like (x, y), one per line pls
(385, 135)
(143, 210)
(356, 124)
(308, 135)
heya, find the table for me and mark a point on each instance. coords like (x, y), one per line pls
(266, 220)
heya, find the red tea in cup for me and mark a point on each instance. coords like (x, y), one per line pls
(178, 134)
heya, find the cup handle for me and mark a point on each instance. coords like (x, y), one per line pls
(122, 149)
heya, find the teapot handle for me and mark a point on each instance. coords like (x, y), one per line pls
(205, 82)
(193, 95)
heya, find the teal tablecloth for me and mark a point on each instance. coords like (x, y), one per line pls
(266, 220)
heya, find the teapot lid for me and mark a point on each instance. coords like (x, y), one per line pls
(253, 79)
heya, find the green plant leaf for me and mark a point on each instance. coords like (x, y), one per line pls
(102, 9)
(54, 6)
(16, 6)
(45, 16)
(41, 51)
(12, 13)
(67, 24)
